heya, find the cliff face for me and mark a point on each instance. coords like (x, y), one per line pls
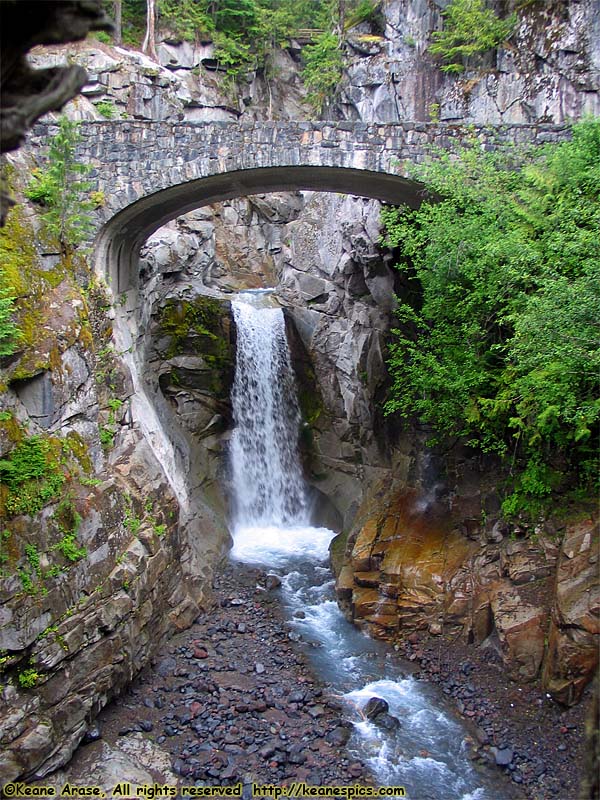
(548, 71)
(100, 559)
(416, 563)
(131, 394)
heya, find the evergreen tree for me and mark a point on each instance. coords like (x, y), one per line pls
(60, 188)
(9, 333)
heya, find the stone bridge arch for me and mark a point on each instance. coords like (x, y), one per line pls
(120, 239)
(151, 172)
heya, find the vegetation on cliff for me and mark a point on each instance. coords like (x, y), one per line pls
(470, 29)
(247, 33)
(62, 192)
(498, 338)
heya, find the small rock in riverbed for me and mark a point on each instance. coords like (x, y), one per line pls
(502, 756)
(375, 706)
(92, 735)
(338, 736)
(387, 722)
(272, 582)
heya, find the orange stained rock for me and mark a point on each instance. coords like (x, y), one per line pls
(368, 579)
(361, 552)
(391, 529)
(369, 601)
(427, 556)
(388, 621)
(345, 580)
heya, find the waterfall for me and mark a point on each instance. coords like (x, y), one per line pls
(426, 752)
(268, 485)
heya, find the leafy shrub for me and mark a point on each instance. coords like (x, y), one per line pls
(469, 30)
(322, 70)
(106, 108)
(28, 678)
(497, 338)
(68, 521)
(32, 475)
(69, 548)
(102, 36)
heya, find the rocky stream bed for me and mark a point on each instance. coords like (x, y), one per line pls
(234, 698)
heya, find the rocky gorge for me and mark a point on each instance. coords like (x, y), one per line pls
(131, 394)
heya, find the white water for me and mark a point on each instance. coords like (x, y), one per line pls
(426, 755)
(267, 475)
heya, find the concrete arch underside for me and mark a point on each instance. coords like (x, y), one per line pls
(120, 239)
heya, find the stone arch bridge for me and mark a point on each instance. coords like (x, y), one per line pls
(151, 172)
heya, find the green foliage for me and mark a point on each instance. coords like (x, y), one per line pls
(68, 521)
(133, 21)
(107, 109)
(107, 437)
(498, 330)
(102, 36)
(323, 63)
(247, 32)
(60, 188)
(28, 678)
(69, 548)
(34, 559)
(26, 580)
(131, 521)
(30, 476)
(9, 332)
(198, 318)
(365, 11)
(186, 18)
(470, 28)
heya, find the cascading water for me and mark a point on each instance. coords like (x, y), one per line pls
(267, 474)
(425, 754)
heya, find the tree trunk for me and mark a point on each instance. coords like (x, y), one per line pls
(149, 46)
(118, 37)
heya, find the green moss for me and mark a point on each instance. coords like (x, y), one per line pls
(198, 326)
(75, 445)
(34, 288)
(311, 405)
(337, 548)
(11, 427)
(182, 319)
(32, 475)
(17, 251)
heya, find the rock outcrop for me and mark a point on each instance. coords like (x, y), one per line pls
(101, 558)
(547, 71)
(412, 565)
(26, 94)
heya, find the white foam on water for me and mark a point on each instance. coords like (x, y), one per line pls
(275, 547)
(477, 794)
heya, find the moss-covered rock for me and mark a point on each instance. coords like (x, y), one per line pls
(50, 308)
(195, 336)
